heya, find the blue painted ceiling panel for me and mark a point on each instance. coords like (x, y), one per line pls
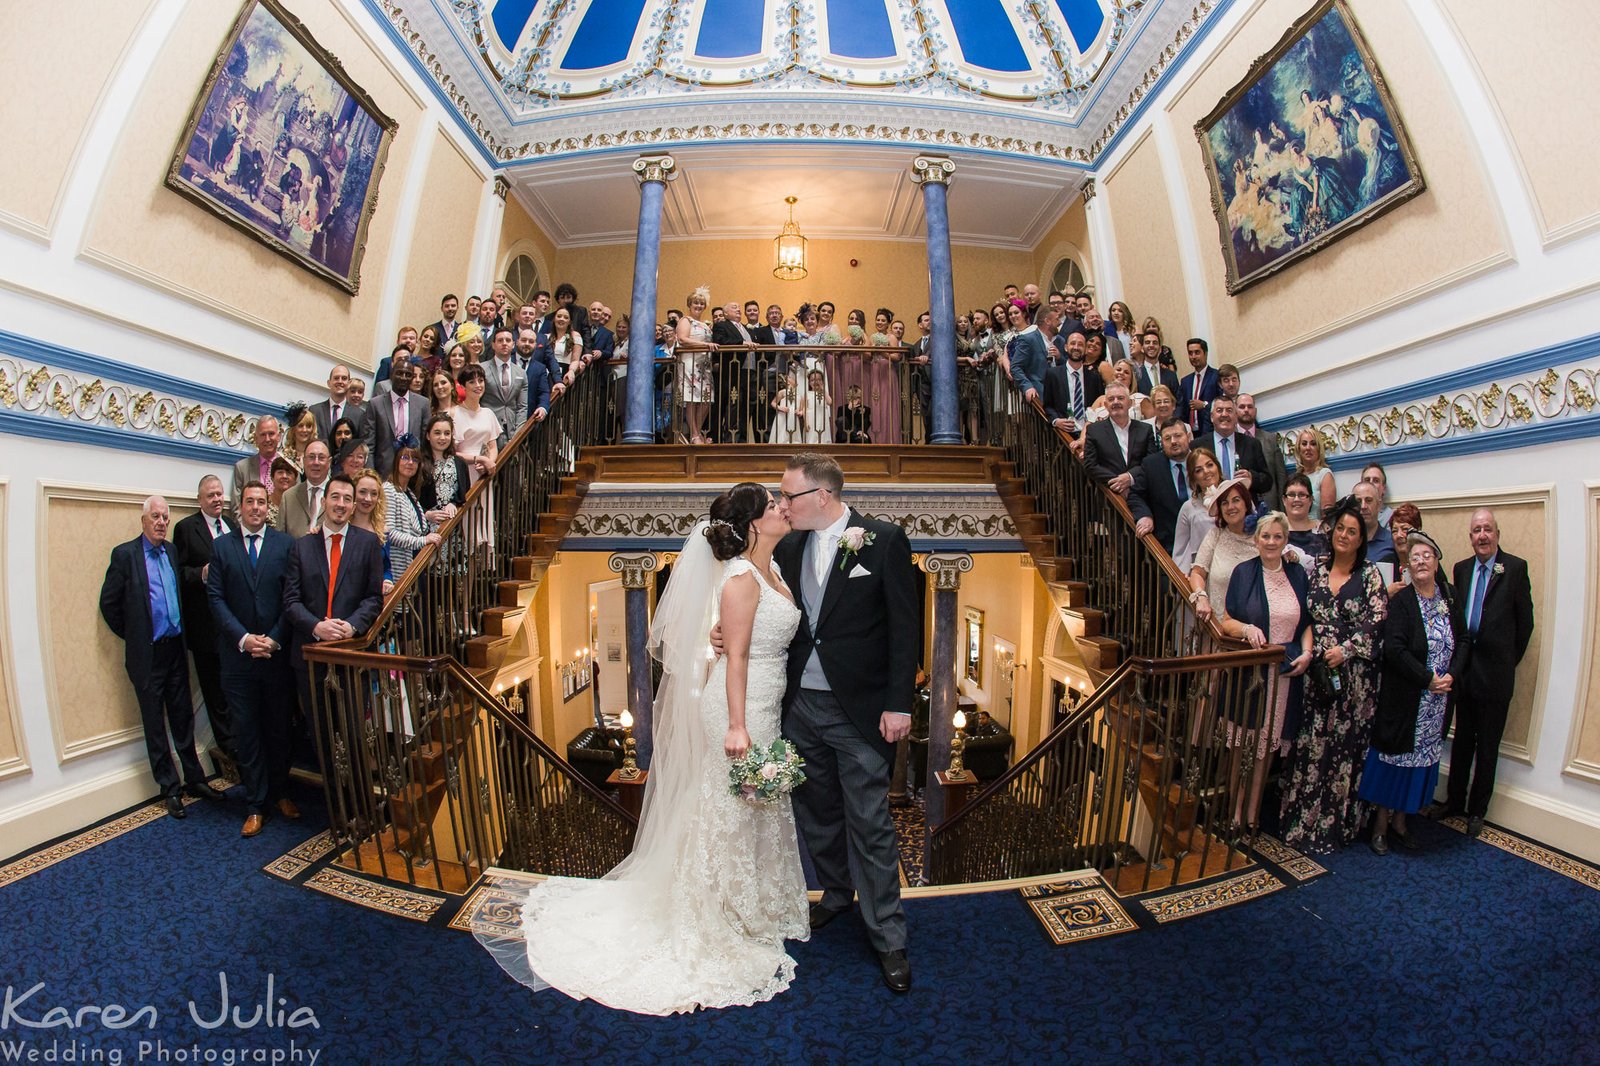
(985, 35)
(1084, 19)
(510, 18)
(605, 35)
(859, 29)
(730, 29)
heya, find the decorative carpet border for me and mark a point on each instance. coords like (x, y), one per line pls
(300, 858)
(495, 905)
(50, 854)
(389, 899)
(1203, 899)
(1285, 860)
(1082, 915)
(1582, 872)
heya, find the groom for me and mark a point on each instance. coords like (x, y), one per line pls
(852, 671)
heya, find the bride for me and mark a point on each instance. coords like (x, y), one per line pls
(696, 916)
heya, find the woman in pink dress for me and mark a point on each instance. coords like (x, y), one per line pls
(476, 433)
(882, 393)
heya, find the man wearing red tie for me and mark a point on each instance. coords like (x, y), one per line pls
(333, 591)
(1199, 388)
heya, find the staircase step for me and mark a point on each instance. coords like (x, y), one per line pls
(1077, 592)
(1084, 622)
(1104, 652)
(486, 651)
(517, 594)
(503, 621)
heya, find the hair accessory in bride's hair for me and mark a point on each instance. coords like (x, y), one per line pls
(724, 524)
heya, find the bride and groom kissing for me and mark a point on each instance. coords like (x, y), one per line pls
(811, 610)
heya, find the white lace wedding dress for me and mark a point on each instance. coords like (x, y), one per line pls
(697, 916)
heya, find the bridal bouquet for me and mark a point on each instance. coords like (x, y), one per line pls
(761, 775)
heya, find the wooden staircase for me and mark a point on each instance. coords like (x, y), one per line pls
(1100, 653)
(500, 625)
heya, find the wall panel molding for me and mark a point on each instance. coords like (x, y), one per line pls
(69, 748)
(16, 762)
(1583, 757)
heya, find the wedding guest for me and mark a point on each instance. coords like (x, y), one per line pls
(1305, 533)
(443, 474)
(1194, 521)
(1266, 604)
(409, 528)
(1227, 545)
(285, 476)
(1424, 648)
(1310, 462)
(476, 427)
(1403, 520)
(370, 515)
(1321, 807)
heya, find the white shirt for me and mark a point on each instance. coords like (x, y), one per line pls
(1122, 438)
(824, 544)
(216, 527)
(328, 533)
(314, 496)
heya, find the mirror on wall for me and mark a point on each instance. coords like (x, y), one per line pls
(972, 653)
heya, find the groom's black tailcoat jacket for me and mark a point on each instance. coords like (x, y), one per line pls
(867, 632)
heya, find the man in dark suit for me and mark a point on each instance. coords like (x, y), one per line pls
(1071, 389)
(140, 602)
(245, 596)
(1161, 484)
(1494, 605)
(602, 341)
(1198, 389)
(338, 405)
(735, 372)
(192, 540)
(333, 590)
(448, 322)
(852, 673)
(1238, 454)
(1114, 446)
(1031, 357)
(1271, 449)
(1148, 371)
(400, 411)
(567, 296)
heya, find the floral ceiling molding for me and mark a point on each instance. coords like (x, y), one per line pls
(1050, 79)
(34, 388)
(1556, 394)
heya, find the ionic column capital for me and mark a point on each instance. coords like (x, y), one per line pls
(933, 169)
(659, 168)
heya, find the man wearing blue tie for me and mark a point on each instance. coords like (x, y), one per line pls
(1495, 603)
(139, 601)
(245, 587)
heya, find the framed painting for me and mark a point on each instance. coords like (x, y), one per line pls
(1306, 149)
(282, 145)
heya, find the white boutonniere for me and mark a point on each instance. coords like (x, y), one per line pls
(853, 540)
(1499, 568)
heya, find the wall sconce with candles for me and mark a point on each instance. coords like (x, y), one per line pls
(512, 697)
(577, 673)
(790, 248)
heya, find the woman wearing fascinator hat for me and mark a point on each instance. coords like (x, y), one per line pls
(697, 915)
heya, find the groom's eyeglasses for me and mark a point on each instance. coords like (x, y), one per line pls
(793, 496)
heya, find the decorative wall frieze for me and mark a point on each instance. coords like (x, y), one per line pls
(1521, 401)
(33, 387)
(935, 517)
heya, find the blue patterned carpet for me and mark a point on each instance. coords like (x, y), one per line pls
(1463, 954)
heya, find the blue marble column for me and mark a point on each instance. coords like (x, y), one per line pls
(946, 569)
(944, 421)
(638, 426)
(637, 569)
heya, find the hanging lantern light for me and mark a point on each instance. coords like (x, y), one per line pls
(790, 247)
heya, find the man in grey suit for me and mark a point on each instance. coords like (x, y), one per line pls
(1270, 445)
(338, 405)
(394, 413)
(505, 386)
(257, 467)
(302, 505)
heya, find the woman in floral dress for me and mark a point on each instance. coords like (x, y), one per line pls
(1348, 604)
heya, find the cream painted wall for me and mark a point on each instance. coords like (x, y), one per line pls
(519, 234)
(891, 274)
(562, 608)
(1546, 107)
(13, 753)
(1152, 275)
(1069, 236)
(147, 232)
(1007, 589)
(46, 125)
(440, 256)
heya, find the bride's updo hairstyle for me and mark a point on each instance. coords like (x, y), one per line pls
(731, 514)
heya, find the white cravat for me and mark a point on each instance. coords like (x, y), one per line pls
(827, 542)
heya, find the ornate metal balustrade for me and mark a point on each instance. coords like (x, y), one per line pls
(1149, 781)
(434, 780)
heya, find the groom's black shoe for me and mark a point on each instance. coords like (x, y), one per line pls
(821, 916)
(896, 969)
